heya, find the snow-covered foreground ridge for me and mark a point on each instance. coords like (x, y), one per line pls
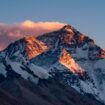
(67, 55)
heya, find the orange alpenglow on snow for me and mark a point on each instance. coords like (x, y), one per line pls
(67, 60)
(81, 38)
(102, 55)
(34, 47)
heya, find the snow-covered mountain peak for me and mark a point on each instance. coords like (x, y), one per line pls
(67, 28)
(72, 56)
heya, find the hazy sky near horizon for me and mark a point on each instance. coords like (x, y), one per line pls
(88, 16)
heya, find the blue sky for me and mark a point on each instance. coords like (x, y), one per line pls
(88, 16)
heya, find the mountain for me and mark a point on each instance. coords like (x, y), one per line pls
(64, 62)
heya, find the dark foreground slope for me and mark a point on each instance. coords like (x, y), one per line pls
(6, 99)
(47, 92)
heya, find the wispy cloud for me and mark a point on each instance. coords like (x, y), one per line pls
(10, 33)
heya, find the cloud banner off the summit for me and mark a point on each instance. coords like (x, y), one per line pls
(10, 33)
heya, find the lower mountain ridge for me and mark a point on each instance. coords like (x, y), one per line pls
(64, 67)
(47, 92)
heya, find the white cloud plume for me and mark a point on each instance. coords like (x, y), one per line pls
(9, 33)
